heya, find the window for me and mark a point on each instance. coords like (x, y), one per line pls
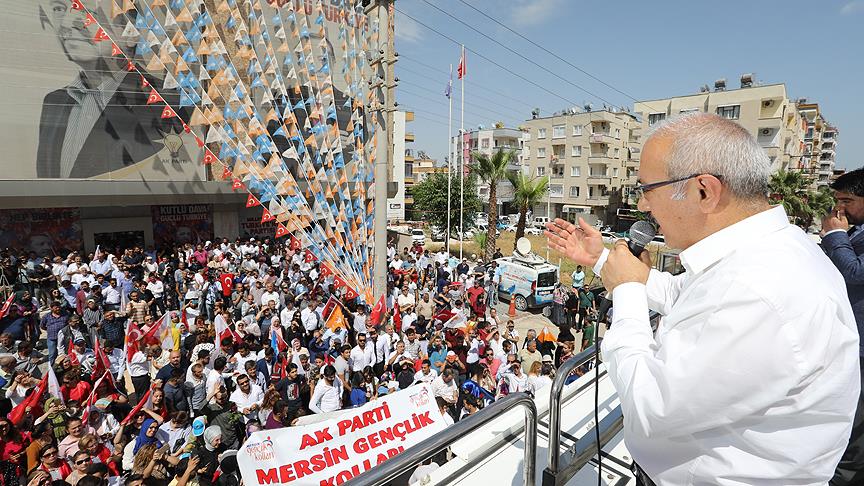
(558, 131)
(541, 133)
(484, 143)
(656, 117)
(576, 151)
(617, 153)
(615, 172)
(541, 152)
(409, 169)
(541, 171)
(617, 133)
(688, 110)
(732, 112)
(556, 190)
(575, 171)
(574, 191)
(577, 130)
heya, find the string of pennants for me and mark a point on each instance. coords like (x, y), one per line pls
(299, 138)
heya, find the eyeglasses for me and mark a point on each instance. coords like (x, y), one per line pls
(49, 454)
(82, 461)
(641, 189)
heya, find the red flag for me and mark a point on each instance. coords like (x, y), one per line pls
(130, 66)
(227, 282)
(325, 270)
(115, 51)
(160, 332)
(100, 36)
(76, 5)
(461, 70)
(186, 128)
(328, 307)
(237, 184)
(145, 402)
(144, 82)
(154, 97)
(397, 317)
(199, 141)
(209, 158)
(294, 244)
(91, 400)
(226, 173)
(266, 216)
(130, 346)
(252, 201)
(377, 312)
(309, 257)
(350, 294)
(444, 315)
(6, 305)
(281, 230)
(89, 20)
(72, 357)
(17, 414)
(167, 112)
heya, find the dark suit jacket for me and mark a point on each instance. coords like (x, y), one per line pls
(123, 135)
(848, 257)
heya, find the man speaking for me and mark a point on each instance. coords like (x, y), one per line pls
(751, 378)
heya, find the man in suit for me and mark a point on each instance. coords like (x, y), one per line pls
(843, 242)
(101, 121)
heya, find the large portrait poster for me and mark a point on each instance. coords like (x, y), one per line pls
(182, 223)
(47, 232)
(74, 111)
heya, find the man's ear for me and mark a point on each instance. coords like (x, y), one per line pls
(710, 193)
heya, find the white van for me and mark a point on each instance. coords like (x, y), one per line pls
(418, 236)
(529, 279)
(540, 222)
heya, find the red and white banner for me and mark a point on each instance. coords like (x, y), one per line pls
(340, 448)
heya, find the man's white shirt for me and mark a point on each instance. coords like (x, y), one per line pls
(751, 378)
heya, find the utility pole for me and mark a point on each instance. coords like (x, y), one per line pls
(383, 169)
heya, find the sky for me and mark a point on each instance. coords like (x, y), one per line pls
(630, 49)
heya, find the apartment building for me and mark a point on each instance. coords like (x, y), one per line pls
(487, 142)
(820, 143)
(765, 111)
(403, 166)
(590, 156)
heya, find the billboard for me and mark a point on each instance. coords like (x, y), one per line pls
(47, 232)
(74, 111)
(182, 223)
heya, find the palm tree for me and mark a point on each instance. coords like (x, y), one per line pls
(490, 170)
(802, 204)
(527, 193)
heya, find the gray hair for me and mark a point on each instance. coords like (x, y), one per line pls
(704, 143)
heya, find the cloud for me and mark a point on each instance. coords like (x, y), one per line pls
(852, 7)
(534, 12)
(407, 30)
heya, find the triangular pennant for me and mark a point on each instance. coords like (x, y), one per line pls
(252, 201)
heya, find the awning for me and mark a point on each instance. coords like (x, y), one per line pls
(572, 207)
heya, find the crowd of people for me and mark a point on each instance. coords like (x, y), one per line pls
(251, 344)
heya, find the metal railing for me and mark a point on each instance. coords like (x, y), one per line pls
(404, 462)
(585, 447)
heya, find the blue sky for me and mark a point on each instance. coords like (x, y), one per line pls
(646, 50)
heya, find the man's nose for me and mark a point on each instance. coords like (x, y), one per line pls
(642, 204)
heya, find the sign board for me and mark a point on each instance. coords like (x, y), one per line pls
(333, 451)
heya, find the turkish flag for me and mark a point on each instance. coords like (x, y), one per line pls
(252, 201)
(144, 82)
(186, 128)
(7, 305)
(89, 20)
(209, 158)
(115, 51)
(145, 401)
(266, 216)
(130, 66)
(397, 318)
(325, 270)
(281, 230)
(32, 401)
(167, 112)
(350, 294)
(295, 243)
(100, 35)
(154, 97)
(308, 257)
(237, 184)
(329, 306)
(76, 5)
(199, 141)
(377, 312)
(226, 173)
(227, 282)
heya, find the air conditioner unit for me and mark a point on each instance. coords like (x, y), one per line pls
(767, 103)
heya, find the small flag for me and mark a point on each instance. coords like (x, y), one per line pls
(154, 97)
(76, 5)
(377, 312)
(167, 112)
(7, 305)
(89, 20)
(115, 51)
(281, 230)
(227, 282)
(461, 70)
(266, 216)
(336, 319)
(329, 306)
(252, 201)
(294, 244)
(100, 35)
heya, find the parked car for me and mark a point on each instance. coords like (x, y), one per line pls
(418, 236)
(540, 222)
(437, 234)
(511, 228)
(533, 230)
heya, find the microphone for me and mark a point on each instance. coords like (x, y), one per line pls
(641, 233)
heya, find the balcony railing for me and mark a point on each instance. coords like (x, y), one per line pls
(600, 138)
(598, 200)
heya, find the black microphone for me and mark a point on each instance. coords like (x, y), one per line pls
(641, 233)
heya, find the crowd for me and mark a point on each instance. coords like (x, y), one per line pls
(253, 335)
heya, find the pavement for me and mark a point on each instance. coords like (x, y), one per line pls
(534, 319)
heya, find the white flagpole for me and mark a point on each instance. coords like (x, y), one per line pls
(462, 168)
(449, 154)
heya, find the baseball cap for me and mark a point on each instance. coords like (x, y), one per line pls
(198, 426)
(451, 353)
(547, 358)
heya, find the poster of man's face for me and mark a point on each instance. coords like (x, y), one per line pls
(74, 109)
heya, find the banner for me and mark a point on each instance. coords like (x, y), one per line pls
(182, 223)
(333, 451)
(47, 232)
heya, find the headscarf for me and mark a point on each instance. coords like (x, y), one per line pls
(20, 301)
(143, 440)
(210, 434)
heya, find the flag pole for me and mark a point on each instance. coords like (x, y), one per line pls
(449, 154)
(464, 151)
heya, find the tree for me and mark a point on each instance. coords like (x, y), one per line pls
(430, 202)
(802, 204)
(490, 170)
(527, 193)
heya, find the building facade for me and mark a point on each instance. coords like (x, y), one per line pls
(487, 142)
(590, 157)
(765, 111)
(820, 143)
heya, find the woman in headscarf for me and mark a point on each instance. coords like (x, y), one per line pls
(55, 417)
(147, 435)
(209, 454)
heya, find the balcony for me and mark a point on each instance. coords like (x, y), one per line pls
(557, 175)
(599, 154)
(598, 200)
(631, 164)
(409, 137)
(600, 137)
(599, 179)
